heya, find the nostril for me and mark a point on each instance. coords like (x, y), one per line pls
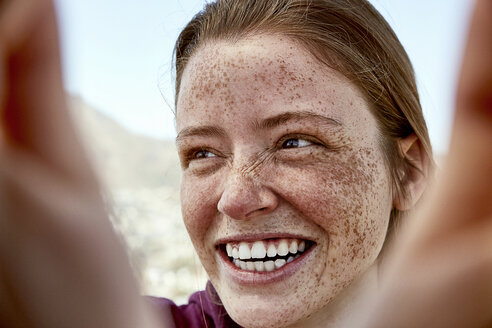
(258, 211)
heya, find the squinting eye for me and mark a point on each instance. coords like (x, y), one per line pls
(296, 143)
(203, 154)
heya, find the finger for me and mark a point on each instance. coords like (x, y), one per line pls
(464, 193)
(474, 96)
(34, 117)
(471, 145)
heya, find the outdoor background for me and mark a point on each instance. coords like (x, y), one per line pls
(118, 76)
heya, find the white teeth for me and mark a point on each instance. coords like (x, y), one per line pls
(235, 253)
(229, 250)
(279, 263)
(302, 246)
(272, 251)
(250, 266)
(244, 251)
(269, 266)
(283, 248)
(258, 250)
(293, 247)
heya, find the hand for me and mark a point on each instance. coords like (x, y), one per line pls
(439, 272)
(61, 265)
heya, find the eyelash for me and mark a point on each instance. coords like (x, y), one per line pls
(203, 151)
(192, 153)
(310, 140)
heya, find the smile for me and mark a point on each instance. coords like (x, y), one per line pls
(265, 255)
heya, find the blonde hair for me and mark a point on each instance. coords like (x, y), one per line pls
(347, 35)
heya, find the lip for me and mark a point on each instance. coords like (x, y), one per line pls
(244, 277)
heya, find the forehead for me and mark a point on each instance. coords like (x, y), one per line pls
(262, 76)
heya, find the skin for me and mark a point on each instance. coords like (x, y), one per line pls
(239, 177)
(62, 266)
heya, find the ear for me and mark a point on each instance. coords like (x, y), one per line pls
(414, 177)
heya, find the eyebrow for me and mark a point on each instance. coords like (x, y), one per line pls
(268, 123)
(286, 117)
(200, 131)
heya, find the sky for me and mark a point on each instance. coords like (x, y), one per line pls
(117, 56)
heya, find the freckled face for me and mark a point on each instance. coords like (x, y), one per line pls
(272, 142)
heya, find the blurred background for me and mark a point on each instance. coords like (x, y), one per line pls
(117, 60)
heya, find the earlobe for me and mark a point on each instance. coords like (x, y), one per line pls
(414, 174)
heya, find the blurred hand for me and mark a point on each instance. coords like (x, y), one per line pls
(61, 265)
(439, 273)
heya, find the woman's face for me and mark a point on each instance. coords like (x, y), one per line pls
(285, 193)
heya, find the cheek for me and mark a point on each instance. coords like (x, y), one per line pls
(348, 196)
(199, 207)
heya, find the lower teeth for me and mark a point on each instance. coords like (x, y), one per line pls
(261, 266)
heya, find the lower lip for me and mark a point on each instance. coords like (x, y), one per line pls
(262, 277)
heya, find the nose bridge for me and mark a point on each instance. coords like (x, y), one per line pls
(245, 194)
(247, 168)
(246, 172)
(250, 168)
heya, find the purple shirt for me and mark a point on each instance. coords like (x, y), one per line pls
(204, 309)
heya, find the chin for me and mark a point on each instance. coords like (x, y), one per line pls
(256, 312)
(280, 296)
(263, 319)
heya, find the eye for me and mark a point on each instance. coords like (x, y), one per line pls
(296, 143)
(200, 159)
(202, 154)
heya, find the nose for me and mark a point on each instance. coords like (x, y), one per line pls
(245, 198)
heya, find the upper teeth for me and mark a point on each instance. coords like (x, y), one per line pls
(261, 248)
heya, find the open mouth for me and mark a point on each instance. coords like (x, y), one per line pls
(265, 255)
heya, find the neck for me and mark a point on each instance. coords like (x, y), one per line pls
(344, 305)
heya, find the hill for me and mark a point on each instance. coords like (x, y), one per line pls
(141, 176)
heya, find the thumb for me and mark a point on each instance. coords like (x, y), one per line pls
(474, 94)
(470, 157)
(34, 116)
